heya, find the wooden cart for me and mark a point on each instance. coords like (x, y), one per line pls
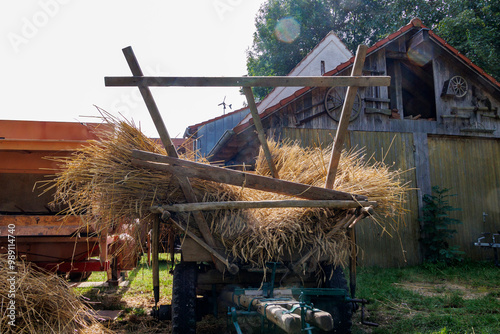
(205, 269)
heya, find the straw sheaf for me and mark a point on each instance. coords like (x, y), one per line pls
(101, 181)
(44, 303)
(283, 232)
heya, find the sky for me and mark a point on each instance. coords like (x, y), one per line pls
(56, 53)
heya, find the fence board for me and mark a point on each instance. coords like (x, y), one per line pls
(398, 244)
(470, 167)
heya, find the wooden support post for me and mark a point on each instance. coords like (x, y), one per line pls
(149, 248)
(338, 143)
(169, 146)
(260, 131)
(232, 268)
(352, 261)
(155, 241)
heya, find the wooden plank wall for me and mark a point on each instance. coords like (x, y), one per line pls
(470, 167)
(395, 245)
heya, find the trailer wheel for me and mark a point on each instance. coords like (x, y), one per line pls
(184, 298)
(341, 313)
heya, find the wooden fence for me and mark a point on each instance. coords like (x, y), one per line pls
(469, 166)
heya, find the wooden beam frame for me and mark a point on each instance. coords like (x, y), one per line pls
(236, 205)
(260, 130)
(338, 143)
(180, 167)
(270, 81)
(169, 147)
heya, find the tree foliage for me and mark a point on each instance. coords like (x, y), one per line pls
(474, 30)
(471, 26)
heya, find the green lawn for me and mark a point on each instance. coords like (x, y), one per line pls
(421, 299)
(432, 299)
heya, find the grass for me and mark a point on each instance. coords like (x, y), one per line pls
(431, 299)
(135, 299)
(422, 299)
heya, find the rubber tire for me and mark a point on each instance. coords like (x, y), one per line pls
(184, 298)
(341, 313)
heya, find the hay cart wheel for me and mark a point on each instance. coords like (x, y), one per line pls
(341, 313)
(184, 298)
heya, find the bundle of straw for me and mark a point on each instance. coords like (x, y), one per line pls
(101, 181)
(43, 303)
(281, 232)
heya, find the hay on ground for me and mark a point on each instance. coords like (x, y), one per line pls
(43, 303)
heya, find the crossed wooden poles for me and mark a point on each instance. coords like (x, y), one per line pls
(314, 196)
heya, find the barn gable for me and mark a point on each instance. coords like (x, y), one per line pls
(438, 119)
(211, 135)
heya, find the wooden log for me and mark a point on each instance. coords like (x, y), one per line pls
(237, 178)
(169, 146)
(256, 81)
(272, 311)
(260, 131)
(320, 319)
(338, 142)
(236, 205)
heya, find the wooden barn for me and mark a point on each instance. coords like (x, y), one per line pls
(438, 119)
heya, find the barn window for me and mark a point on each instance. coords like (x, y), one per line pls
(322, 67)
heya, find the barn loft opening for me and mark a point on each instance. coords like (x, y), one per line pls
(416, 92)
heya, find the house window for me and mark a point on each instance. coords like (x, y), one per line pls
(322, 67)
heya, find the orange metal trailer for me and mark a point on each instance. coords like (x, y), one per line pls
(27, 221)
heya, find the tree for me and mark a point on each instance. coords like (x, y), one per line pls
(471, 26)
(474, 30)
(436, 231)
(276, 49)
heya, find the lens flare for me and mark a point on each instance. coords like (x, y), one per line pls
(420, 56)
(287, 30)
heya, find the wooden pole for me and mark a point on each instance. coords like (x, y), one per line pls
(232, 205)
(338, 143)
(169, 146)
(260, 131)
(320, 319)
(352, 261)
(155, 240)
(272, 311)
(224, 175)
(252, 81)
(232, 268)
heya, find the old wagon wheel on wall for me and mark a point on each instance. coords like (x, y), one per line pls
(334, 100)
(458, 86)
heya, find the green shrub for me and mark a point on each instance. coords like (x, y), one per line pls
(436, 231)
